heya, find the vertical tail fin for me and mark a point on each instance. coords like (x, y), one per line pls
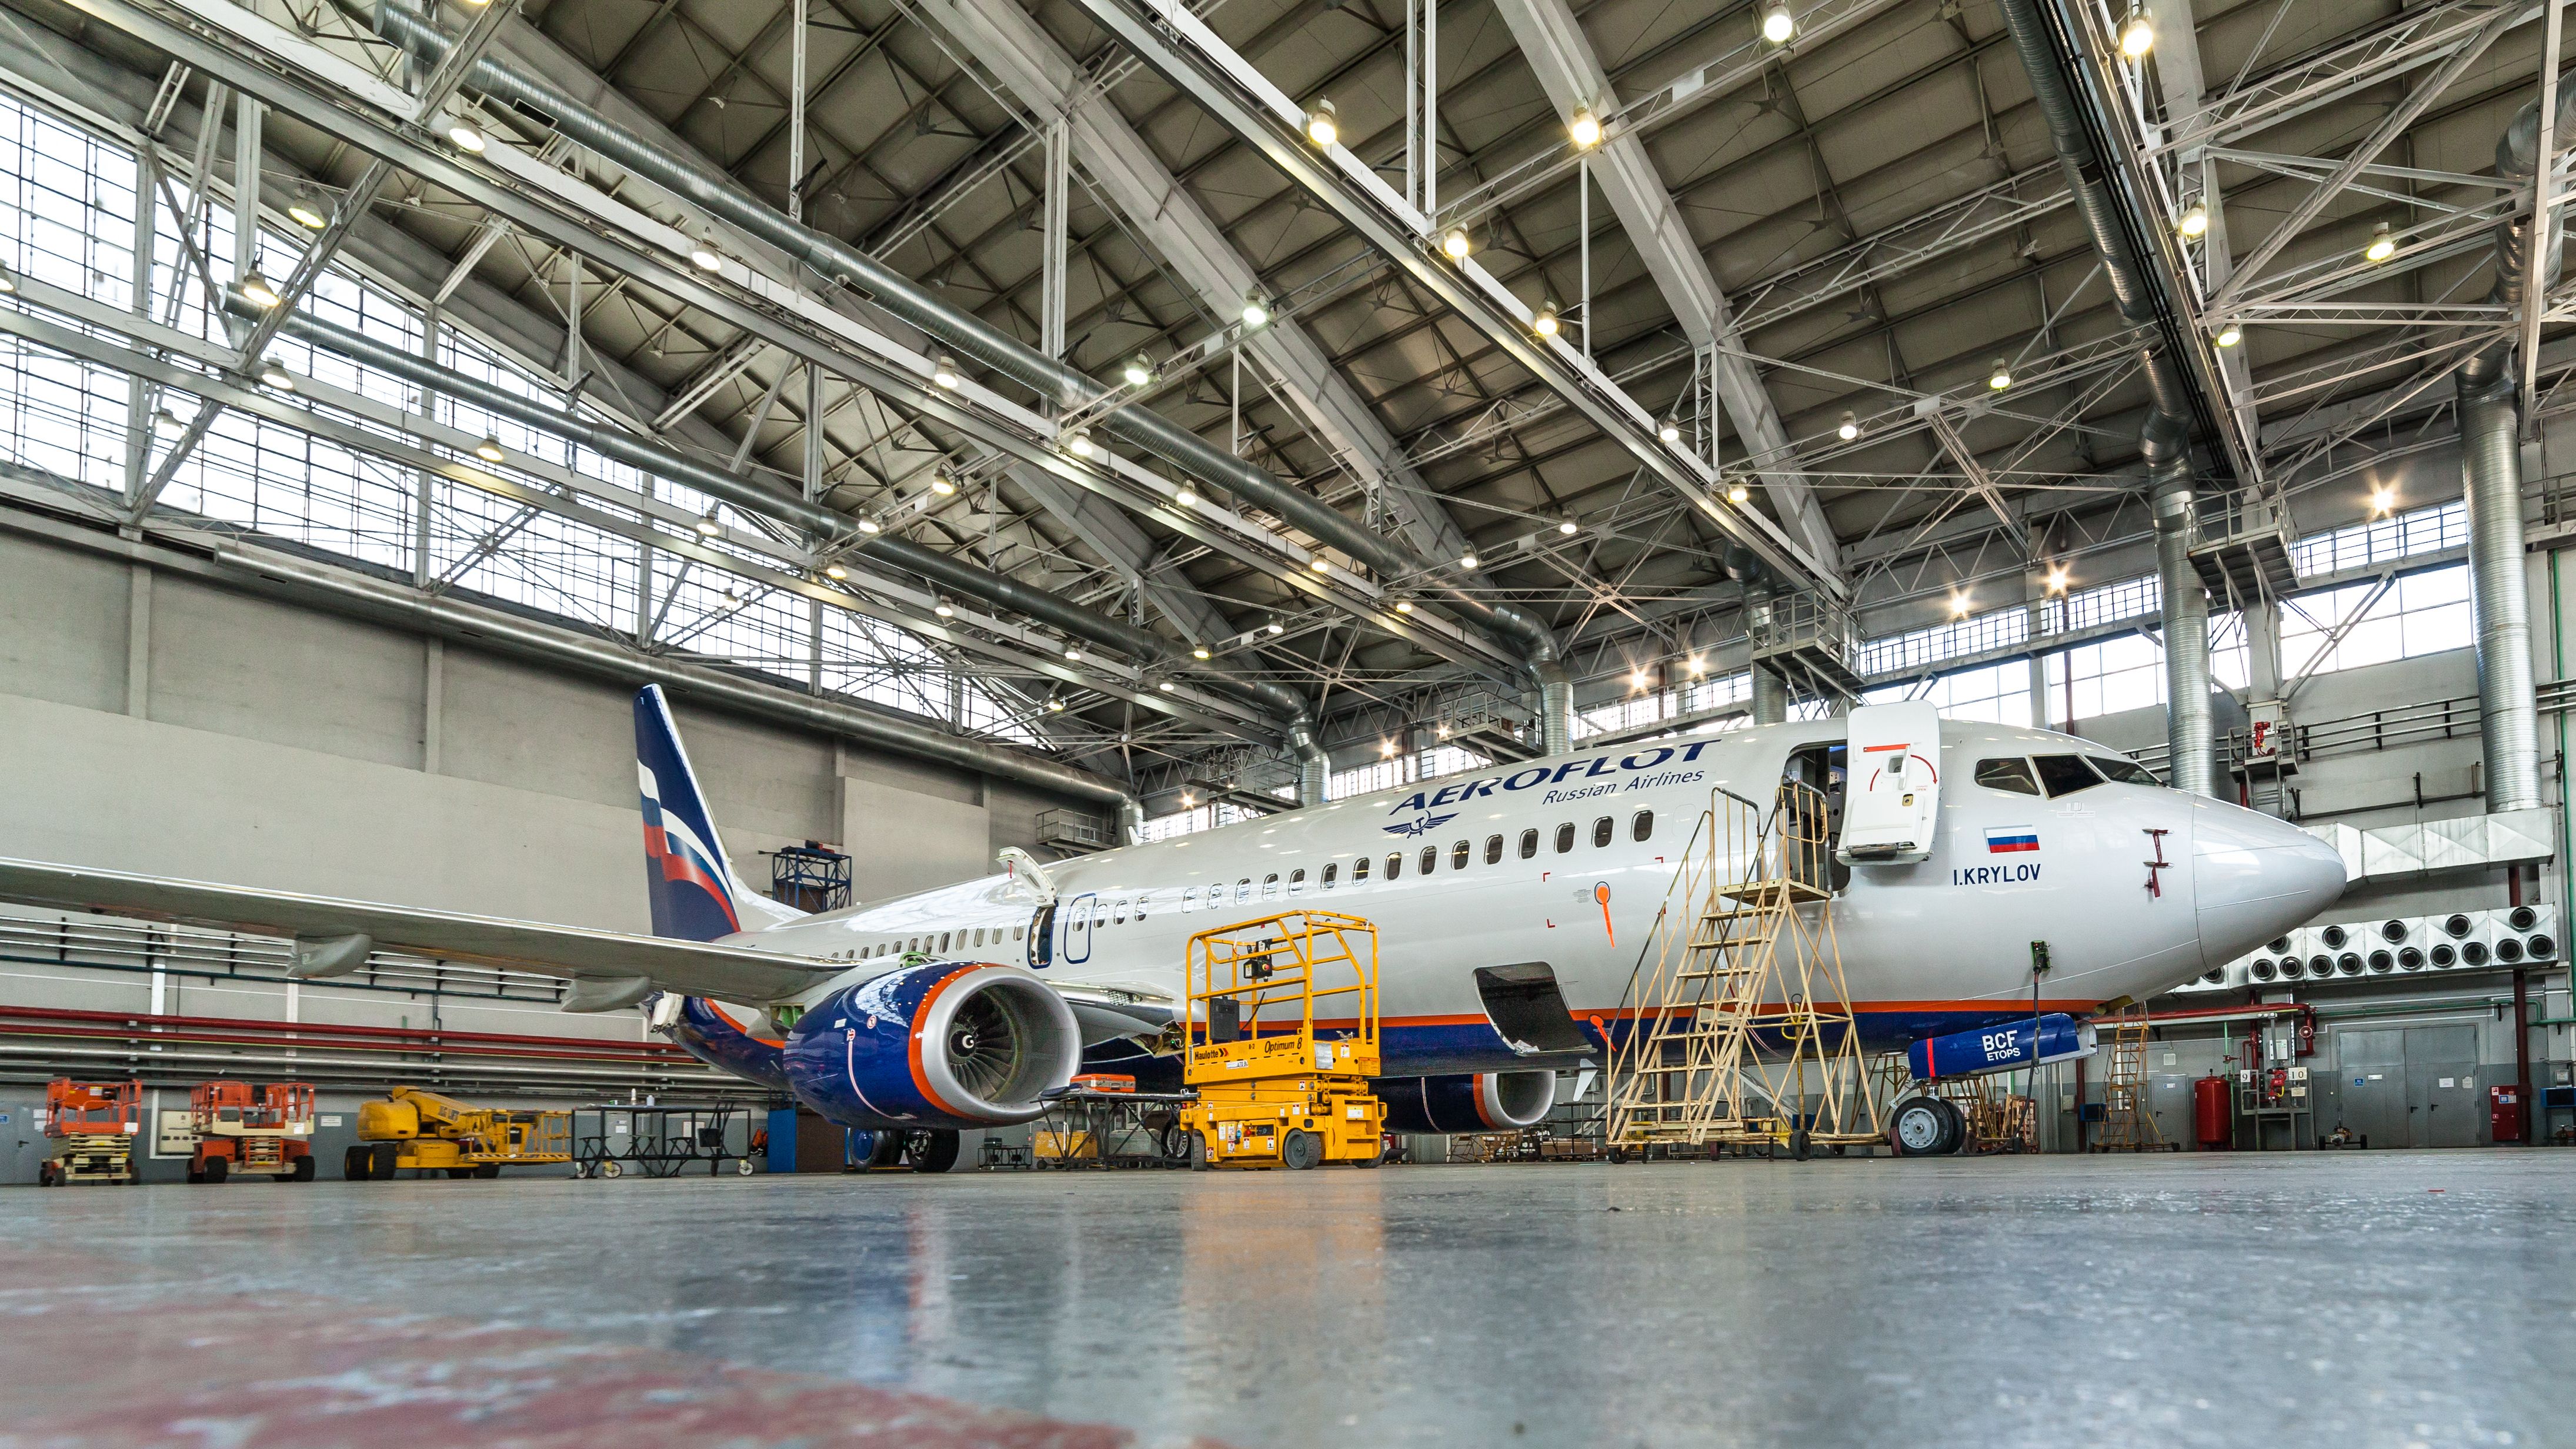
(691, 884)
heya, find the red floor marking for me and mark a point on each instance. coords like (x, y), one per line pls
(103, 1355)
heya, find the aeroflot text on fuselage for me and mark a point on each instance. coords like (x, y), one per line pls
(1485, 785)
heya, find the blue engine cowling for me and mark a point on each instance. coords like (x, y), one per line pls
(730, 1038)
(946, 1044)
(2001, 1048)
(1466, 1101)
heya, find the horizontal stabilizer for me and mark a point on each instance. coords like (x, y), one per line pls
(327, 933)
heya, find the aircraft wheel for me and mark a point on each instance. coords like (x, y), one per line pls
(1957, 1141)
(1921, 1127)
(1301, 1150)
(931, 1151)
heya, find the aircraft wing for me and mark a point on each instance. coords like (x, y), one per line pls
(333, 936)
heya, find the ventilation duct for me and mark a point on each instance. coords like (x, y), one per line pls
(2164, 441)
(2491, 480)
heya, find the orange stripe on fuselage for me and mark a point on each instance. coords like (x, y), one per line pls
(719, 1013)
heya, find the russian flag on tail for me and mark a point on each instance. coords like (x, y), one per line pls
(691, 886)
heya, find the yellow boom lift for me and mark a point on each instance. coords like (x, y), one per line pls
(417, 1128)
(1272, 1090)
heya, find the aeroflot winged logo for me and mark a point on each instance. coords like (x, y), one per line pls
(1577, 779)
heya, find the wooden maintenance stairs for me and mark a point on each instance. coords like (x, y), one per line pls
(2128, 1121)
(1743, 1034)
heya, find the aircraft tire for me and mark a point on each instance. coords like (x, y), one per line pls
(1301, 1151)
(1955, 1138)
(931, 1151)
(1921, 1127)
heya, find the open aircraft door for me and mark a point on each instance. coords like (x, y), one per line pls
(1892, 799)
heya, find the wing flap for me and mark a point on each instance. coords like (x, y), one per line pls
(731, 973)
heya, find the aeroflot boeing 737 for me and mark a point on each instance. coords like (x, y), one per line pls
(1512, 907)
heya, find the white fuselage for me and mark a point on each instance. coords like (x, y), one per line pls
(1931, 945)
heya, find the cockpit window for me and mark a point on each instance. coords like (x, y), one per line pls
(2064, 774)
(2011, 776)
(2122, 772)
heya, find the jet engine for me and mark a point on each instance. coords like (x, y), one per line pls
(1466, 1101)
(947, 1044)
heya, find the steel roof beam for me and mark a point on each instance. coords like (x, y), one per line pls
(1030, 64)
(1179, 48)
(1561, 55)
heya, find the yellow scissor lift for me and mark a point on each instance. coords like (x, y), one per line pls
(1272, 1092)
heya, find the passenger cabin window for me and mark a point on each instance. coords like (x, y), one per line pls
(1458, 855)
(1332, 869)
(1394, 864)
(1140, 906)
(1565, 837)
(1243, 889)
(1297, 881)
(2064, 774)
(1270, 885)
(2121, 771)
(1529, 842)
(1190, 899)
(1493, 850)
(943, 943)
(1122, 914)
(1430, 860)
(1641, 825)
(1359, 871)
(1601, 832)
(2011, 776)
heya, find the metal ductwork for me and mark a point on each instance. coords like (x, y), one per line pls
(2193, 740)
(2490, 393)
(1314, 765)
(1770, 696)
(1555, 704)
(692, 179)
(2164, 440)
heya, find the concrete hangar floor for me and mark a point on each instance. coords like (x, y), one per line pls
(2348, 1299)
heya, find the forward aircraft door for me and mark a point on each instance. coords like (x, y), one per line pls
(1892, 802)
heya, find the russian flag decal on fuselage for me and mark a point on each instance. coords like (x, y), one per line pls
(2005, 839)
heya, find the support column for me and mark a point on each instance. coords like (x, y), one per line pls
(138, 642)
(433, 706)
(796, 117)
(139, 395)
(2189, 734)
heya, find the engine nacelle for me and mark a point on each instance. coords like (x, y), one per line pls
(945, 1044)
(1466, 1101)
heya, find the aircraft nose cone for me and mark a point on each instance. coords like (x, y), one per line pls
(2254, 877)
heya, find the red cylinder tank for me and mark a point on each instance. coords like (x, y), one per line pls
(2211, 1122)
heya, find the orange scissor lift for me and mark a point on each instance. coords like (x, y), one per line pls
(95, 1123)
(267, 1131)
(1275, 1093)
